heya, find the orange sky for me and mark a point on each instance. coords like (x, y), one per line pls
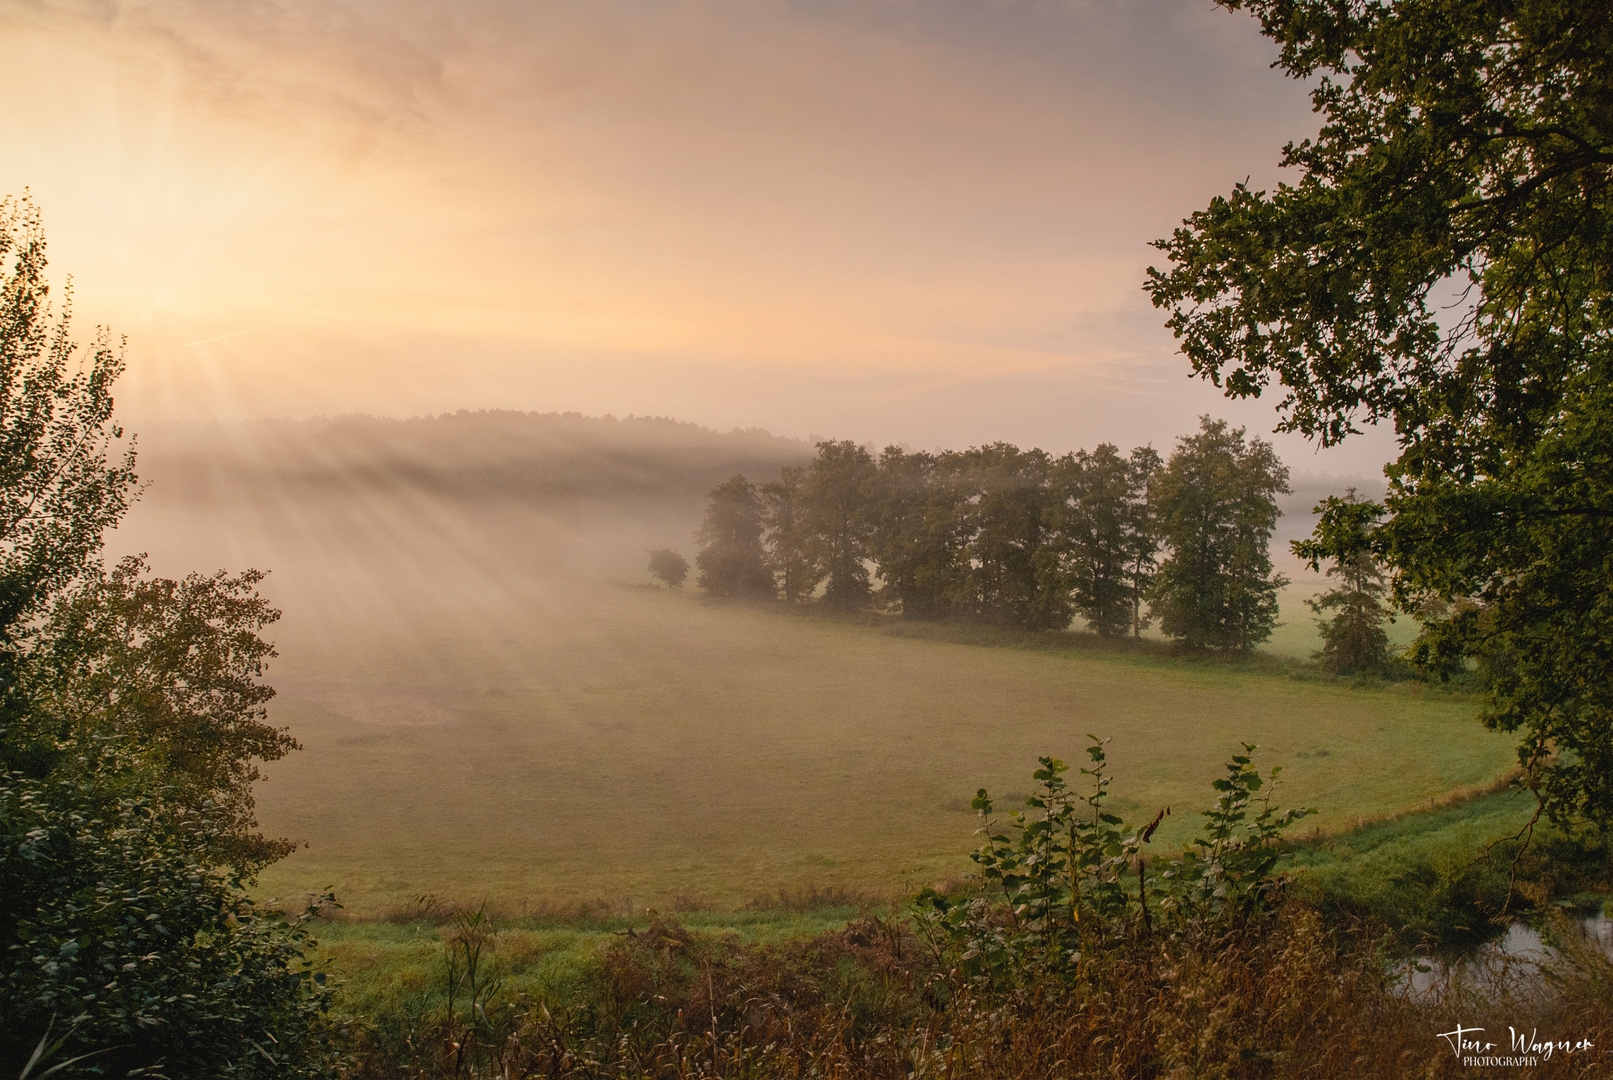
(889, 220)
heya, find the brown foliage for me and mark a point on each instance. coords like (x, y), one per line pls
(1283, 997)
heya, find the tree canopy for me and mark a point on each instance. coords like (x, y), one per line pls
(1216, 505)
(132, 721)
(1444, 263)
(732, 560)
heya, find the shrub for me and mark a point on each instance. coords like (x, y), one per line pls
(127, 948)
(668, 566)
(1055, 891)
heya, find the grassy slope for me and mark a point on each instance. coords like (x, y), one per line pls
(1406, 870)
(647, 745)
(483, 718)
(379, 966)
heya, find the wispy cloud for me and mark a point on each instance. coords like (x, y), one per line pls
(559, 203)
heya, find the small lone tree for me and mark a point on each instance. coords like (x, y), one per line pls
(669, 566)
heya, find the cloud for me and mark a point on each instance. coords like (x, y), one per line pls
(543, 202)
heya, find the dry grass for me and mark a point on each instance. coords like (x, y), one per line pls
(1284, 998)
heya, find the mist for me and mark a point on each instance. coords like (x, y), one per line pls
(496, 699)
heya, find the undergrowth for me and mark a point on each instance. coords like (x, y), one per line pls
(1072, 953)
(1453, 877)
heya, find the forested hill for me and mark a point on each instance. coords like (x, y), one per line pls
(473, 456)
(579, 493)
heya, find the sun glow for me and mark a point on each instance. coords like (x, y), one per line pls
(874, 223)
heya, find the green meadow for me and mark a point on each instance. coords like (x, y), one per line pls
(652, 749)
(495, 703)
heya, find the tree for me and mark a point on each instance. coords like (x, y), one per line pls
(1102, 520)
(731, 559)
(668, 566)
(1142, 542)
(1354, 641)
(786, 540)
(1445, 262)
(132, 717)
(1216, 505)
(838, 521)
(918, 541)
(61, 485)
(172, 669)
(1015, 575)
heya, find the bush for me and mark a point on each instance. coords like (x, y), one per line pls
(128, 949)
(668, 566)
(1055, 880)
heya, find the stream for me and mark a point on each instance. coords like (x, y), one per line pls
(1510, 966)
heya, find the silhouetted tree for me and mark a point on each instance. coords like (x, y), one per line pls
(669, 566)
(1101, 518)
(785, 538)
(731, 559)
(1015, 574)
(918, 541)
(1216, 506)
(1354, 640)
(837, 516)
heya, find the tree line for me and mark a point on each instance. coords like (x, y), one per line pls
(1014, 538)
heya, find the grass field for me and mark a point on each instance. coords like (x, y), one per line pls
(495, 704)
(642, 747)
(1382, 870)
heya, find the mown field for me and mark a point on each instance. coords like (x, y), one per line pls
(495, 704)
(644, 748)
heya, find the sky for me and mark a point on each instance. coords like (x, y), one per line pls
(922, 222)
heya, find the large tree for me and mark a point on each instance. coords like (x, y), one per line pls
(132, 721)
(919, 541)
(1102, 521)
(66, 475)
(785, 539)
(837, 517)
(732, 560)
(1216, 506)
(1015, 575)
(1444, 263)
(1142, 534)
